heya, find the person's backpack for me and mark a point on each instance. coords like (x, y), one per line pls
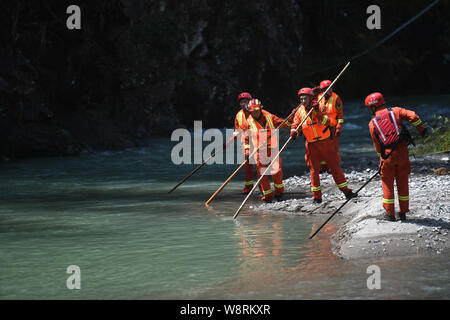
(390, 131)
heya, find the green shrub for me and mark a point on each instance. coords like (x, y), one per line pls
(437, 139)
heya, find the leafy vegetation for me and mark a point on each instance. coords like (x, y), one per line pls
(437, 139)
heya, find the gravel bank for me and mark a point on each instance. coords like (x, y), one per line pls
(425, 232)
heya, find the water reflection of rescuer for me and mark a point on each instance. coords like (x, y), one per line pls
(319, 145)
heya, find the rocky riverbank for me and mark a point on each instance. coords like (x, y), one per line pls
(426, 230)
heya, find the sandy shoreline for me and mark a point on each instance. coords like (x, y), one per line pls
(425, 232)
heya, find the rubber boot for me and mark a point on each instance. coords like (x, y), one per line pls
(402, 216)
(279, 197)
(386, 217)
(350, 194)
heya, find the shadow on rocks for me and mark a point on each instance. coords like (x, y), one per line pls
(428, 222)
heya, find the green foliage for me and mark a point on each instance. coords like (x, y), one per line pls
(438, 138)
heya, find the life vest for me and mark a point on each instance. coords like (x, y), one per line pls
(389, 129)
(332, 107)
(258, 130)
(241, 119)
(264, 156)
(312, 130)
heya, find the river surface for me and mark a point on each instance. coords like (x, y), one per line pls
(110, 214)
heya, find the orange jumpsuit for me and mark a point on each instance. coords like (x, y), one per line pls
(334, 108)
(318, 145)
(240, 123)
(397, 165)
(266, 124)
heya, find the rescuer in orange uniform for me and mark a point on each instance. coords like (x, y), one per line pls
(261, 125)
(318, 144)
(240, 123)
(394, 158)
(332, 106)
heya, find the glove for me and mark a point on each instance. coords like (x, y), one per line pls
(294, 135)
(338, 131)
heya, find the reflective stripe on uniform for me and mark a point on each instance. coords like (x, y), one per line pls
(325, 119)
(246, 146)
(340, 120)
(267, 192)
(342, 185)
(316, 188)
(395, 122)
(403, 198)
(248, 183)
(278, 185)
(388, 201)
(417, 122)
(323, 162)
(330, 103)
(269, 121)
(379, 129)
(240, 118)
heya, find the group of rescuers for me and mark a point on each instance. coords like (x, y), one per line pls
(321, 130)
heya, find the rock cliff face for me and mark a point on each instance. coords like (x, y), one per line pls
(140, 68)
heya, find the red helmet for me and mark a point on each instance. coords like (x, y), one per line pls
(244, 95)
(325, 84)
(374, 99)
(254, 105)
(307, 91)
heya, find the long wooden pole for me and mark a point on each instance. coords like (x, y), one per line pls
(286, 143)
(243, 163)
(204, 162)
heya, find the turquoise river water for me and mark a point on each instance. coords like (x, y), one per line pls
(110, 214)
